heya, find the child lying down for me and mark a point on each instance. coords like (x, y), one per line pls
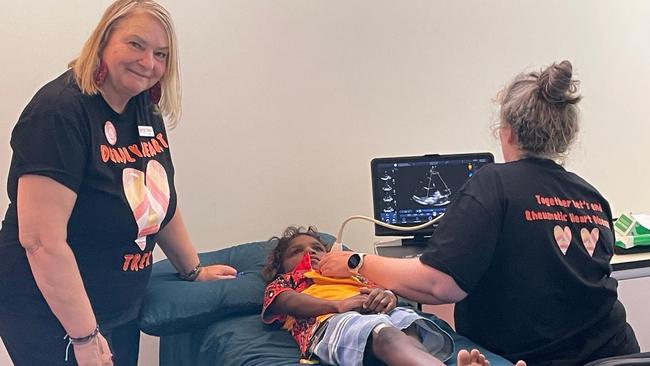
(347, 321)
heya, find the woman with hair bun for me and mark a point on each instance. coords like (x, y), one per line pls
(524, 247)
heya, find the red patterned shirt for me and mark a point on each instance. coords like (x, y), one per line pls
(304, 279)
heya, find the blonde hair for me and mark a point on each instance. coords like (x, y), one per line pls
(86, 64)
(541, 108)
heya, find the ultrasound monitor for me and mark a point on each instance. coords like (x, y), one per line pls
(409, 191)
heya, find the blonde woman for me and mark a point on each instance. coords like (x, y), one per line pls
(91, 189)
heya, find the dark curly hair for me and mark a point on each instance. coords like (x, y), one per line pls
(273, 266)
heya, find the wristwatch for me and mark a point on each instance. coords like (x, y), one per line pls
(355, 262)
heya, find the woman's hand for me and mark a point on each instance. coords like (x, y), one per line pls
(354, 303)
(175, 242)
(335, 264)
(379, 301)
(216, 272)
(94, 352)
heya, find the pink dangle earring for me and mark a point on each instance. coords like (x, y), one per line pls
(155, 93)
(101, 73)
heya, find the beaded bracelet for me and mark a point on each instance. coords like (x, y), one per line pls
(193, 274)
(86, 339)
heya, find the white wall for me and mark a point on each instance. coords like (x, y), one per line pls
(286, 102)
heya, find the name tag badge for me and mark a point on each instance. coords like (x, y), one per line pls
(145, 131)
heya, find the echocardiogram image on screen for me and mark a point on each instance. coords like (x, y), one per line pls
(409, 191)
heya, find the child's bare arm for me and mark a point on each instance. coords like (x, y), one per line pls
(301, 305)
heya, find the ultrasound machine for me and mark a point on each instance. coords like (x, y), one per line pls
(410, 191)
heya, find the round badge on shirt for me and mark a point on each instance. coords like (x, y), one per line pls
(110, 132)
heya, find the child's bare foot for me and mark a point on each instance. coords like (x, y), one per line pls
(473, 358)
(476, 358)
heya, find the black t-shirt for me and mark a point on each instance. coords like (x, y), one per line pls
(530, 243)
(120, 167)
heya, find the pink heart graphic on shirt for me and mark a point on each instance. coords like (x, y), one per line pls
(562, 237)
(590, 239)
(148, 196)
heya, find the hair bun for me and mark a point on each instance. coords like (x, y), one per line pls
(556, 85)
